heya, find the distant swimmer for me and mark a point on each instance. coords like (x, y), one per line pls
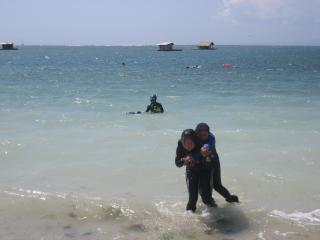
(154, 106)
(123, 64)
(194, 66)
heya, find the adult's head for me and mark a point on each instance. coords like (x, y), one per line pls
(202, 131)
(189, 139)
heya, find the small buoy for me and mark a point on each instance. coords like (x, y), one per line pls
(226, 65)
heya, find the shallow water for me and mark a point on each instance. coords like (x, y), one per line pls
(75, 165)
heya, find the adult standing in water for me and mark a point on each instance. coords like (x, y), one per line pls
(154, 106)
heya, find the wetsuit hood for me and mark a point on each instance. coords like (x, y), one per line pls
(202, 127)
(153, 98)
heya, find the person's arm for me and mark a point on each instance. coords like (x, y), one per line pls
(179, 155)
(148, 108)
(211, 143)
(161, 108)
(214, 153)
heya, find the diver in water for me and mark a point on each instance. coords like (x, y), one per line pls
(154, 106)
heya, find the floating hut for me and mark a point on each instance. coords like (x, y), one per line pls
(167, 46)
(205, 45)
(8, 46)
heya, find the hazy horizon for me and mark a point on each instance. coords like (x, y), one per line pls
(151, 45)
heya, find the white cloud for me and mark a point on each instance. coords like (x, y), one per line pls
(280, 11)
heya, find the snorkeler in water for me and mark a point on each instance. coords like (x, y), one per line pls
(154, 106)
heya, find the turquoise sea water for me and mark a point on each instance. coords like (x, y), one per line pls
(75, 165)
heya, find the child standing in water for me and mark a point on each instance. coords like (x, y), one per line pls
(208, 150)
(197, 174)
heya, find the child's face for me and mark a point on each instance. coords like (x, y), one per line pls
(188, 144)
(203, 135)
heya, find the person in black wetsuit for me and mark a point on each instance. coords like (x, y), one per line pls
(208, 150)
(154, 106)
(197, 173)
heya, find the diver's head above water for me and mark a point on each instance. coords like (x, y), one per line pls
(153, 98)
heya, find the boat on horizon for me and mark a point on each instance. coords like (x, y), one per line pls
(8, 46)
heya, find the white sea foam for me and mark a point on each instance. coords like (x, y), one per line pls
(81, 100)
(310, 218)
(238, 130)
(284, 234)
(173, 97)
(260, 236)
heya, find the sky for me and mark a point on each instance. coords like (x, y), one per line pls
(148, 22)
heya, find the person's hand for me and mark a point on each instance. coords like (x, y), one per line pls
(204, 151)
(188, 160)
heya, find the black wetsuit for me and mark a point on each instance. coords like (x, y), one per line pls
(155, 107)
(216, 175)
(197, 175)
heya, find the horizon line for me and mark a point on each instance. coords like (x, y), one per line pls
(154, 45)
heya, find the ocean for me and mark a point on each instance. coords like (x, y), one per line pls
(75, 165)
